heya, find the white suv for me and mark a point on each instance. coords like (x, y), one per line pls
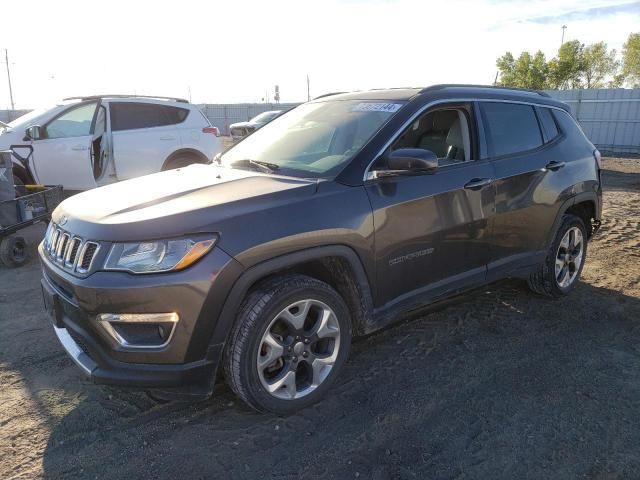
(87, 142)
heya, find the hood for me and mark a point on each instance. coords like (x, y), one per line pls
(244, 124)
(10, 137)
(176, 202)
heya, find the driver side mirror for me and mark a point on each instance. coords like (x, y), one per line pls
(409, 161)
(34, 132)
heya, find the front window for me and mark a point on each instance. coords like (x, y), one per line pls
(313, 140)
(73, 123)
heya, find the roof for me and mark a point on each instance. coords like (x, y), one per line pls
(152, 97)
(455, 90)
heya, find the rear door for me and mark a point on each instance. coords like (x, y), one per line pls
(432, 232)
(62, 156)
(143, 136)
(527, 183)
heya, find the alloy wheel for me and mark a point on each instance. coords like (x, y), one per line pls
(569, 257)
(298, 349)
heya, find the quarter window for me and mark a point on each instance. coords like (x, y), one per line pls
(129, 116)
(548, 123)
(510, 128)
(73, 123)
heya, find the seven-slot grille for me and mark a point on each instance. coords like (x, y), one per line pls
(69, 251)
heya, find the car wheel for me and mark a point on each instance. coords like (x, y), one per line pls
(290, 340)
(565, 260)
(181, 161)
(13, 251)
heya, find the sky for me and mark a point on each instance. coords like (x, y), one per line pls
(237, 51)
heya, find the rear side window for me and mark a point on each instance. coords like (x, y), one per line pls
(569, 126)
(129, 116)
(510, 128)
(548, 123)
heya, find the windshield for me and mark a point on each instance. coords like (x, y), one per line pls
(264, 117)
(313, 140)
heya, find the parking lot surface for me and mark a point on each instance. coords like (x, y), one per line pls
(500, 384)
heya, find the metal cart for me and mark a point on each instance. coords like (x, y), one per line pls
(35, 204)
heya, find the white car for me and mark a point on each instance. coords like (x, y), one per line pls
(87, 142)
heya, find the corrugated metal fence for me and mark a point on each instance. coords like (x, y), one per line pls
(609, 117)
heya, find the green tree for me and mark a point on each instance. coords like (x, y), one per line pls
(598, 64)
(631, 60)
(524, 72)
(565, 70)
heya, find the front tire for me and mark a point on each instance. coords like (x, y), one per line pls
(290, 341)
(13, 251)
(565, 259)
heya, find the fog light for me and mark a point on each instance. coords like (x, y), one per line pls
(139, 330)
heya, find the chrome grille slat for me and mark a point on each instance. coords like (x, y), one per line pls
(70, 252)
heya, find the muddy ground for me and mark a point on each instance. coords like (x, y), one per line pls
(503, 384)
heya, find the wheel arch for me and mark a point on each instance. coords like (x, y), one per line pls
(188, 152)
(337, 265)
(585, 205)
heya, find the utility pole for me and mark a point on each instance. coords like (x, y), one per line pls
(6, 58)
(308, 90)
(564, 27)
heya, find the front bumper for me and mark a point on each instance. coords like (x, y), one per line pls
(186, 363)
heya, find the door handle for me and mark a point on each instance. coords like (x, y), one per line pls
(554, 166)
(478, 183)
(79, 148)
(168, 137)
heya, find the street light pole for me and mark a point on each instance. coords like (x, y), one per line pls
(6, 58)
(564, 27)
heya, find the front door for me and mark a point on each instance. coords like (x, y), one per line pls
(432, 231)
(61, 156)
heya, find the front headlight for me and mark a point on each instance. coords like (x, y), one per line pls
(158, 255)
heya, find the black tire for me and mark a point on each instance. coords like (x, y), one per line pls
(182, 161)
(256, 312)
(544, 281)
(13, 251)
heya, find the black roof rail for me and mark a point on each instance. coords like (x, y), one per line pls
(491, 87)
(328, 95)
(119, 95)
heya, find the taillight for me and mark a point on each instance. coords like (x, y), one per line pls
(598, 157)
(213, 130)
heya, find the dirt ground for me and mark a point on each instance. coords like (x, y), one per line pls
(503, 384)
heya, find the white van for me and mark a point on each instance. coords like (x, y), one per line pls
(87, 142)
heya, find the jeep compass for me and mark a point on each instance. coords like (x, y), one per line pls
(329, 222)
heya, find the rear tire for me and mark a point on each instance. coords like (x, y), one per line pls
(565, 259)
(13, 251)
(291, 339)
(181, 161)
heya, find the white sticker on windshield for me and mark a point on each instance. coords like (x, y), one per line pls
(377, 107)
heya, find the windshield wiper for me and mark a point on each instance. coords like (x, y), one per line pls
(265, 167)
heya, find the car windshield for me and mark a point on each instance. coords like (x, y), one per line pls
(264, 117)
(314, 140)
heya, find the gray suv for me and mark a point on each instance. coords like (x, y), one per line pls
(329, 222)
